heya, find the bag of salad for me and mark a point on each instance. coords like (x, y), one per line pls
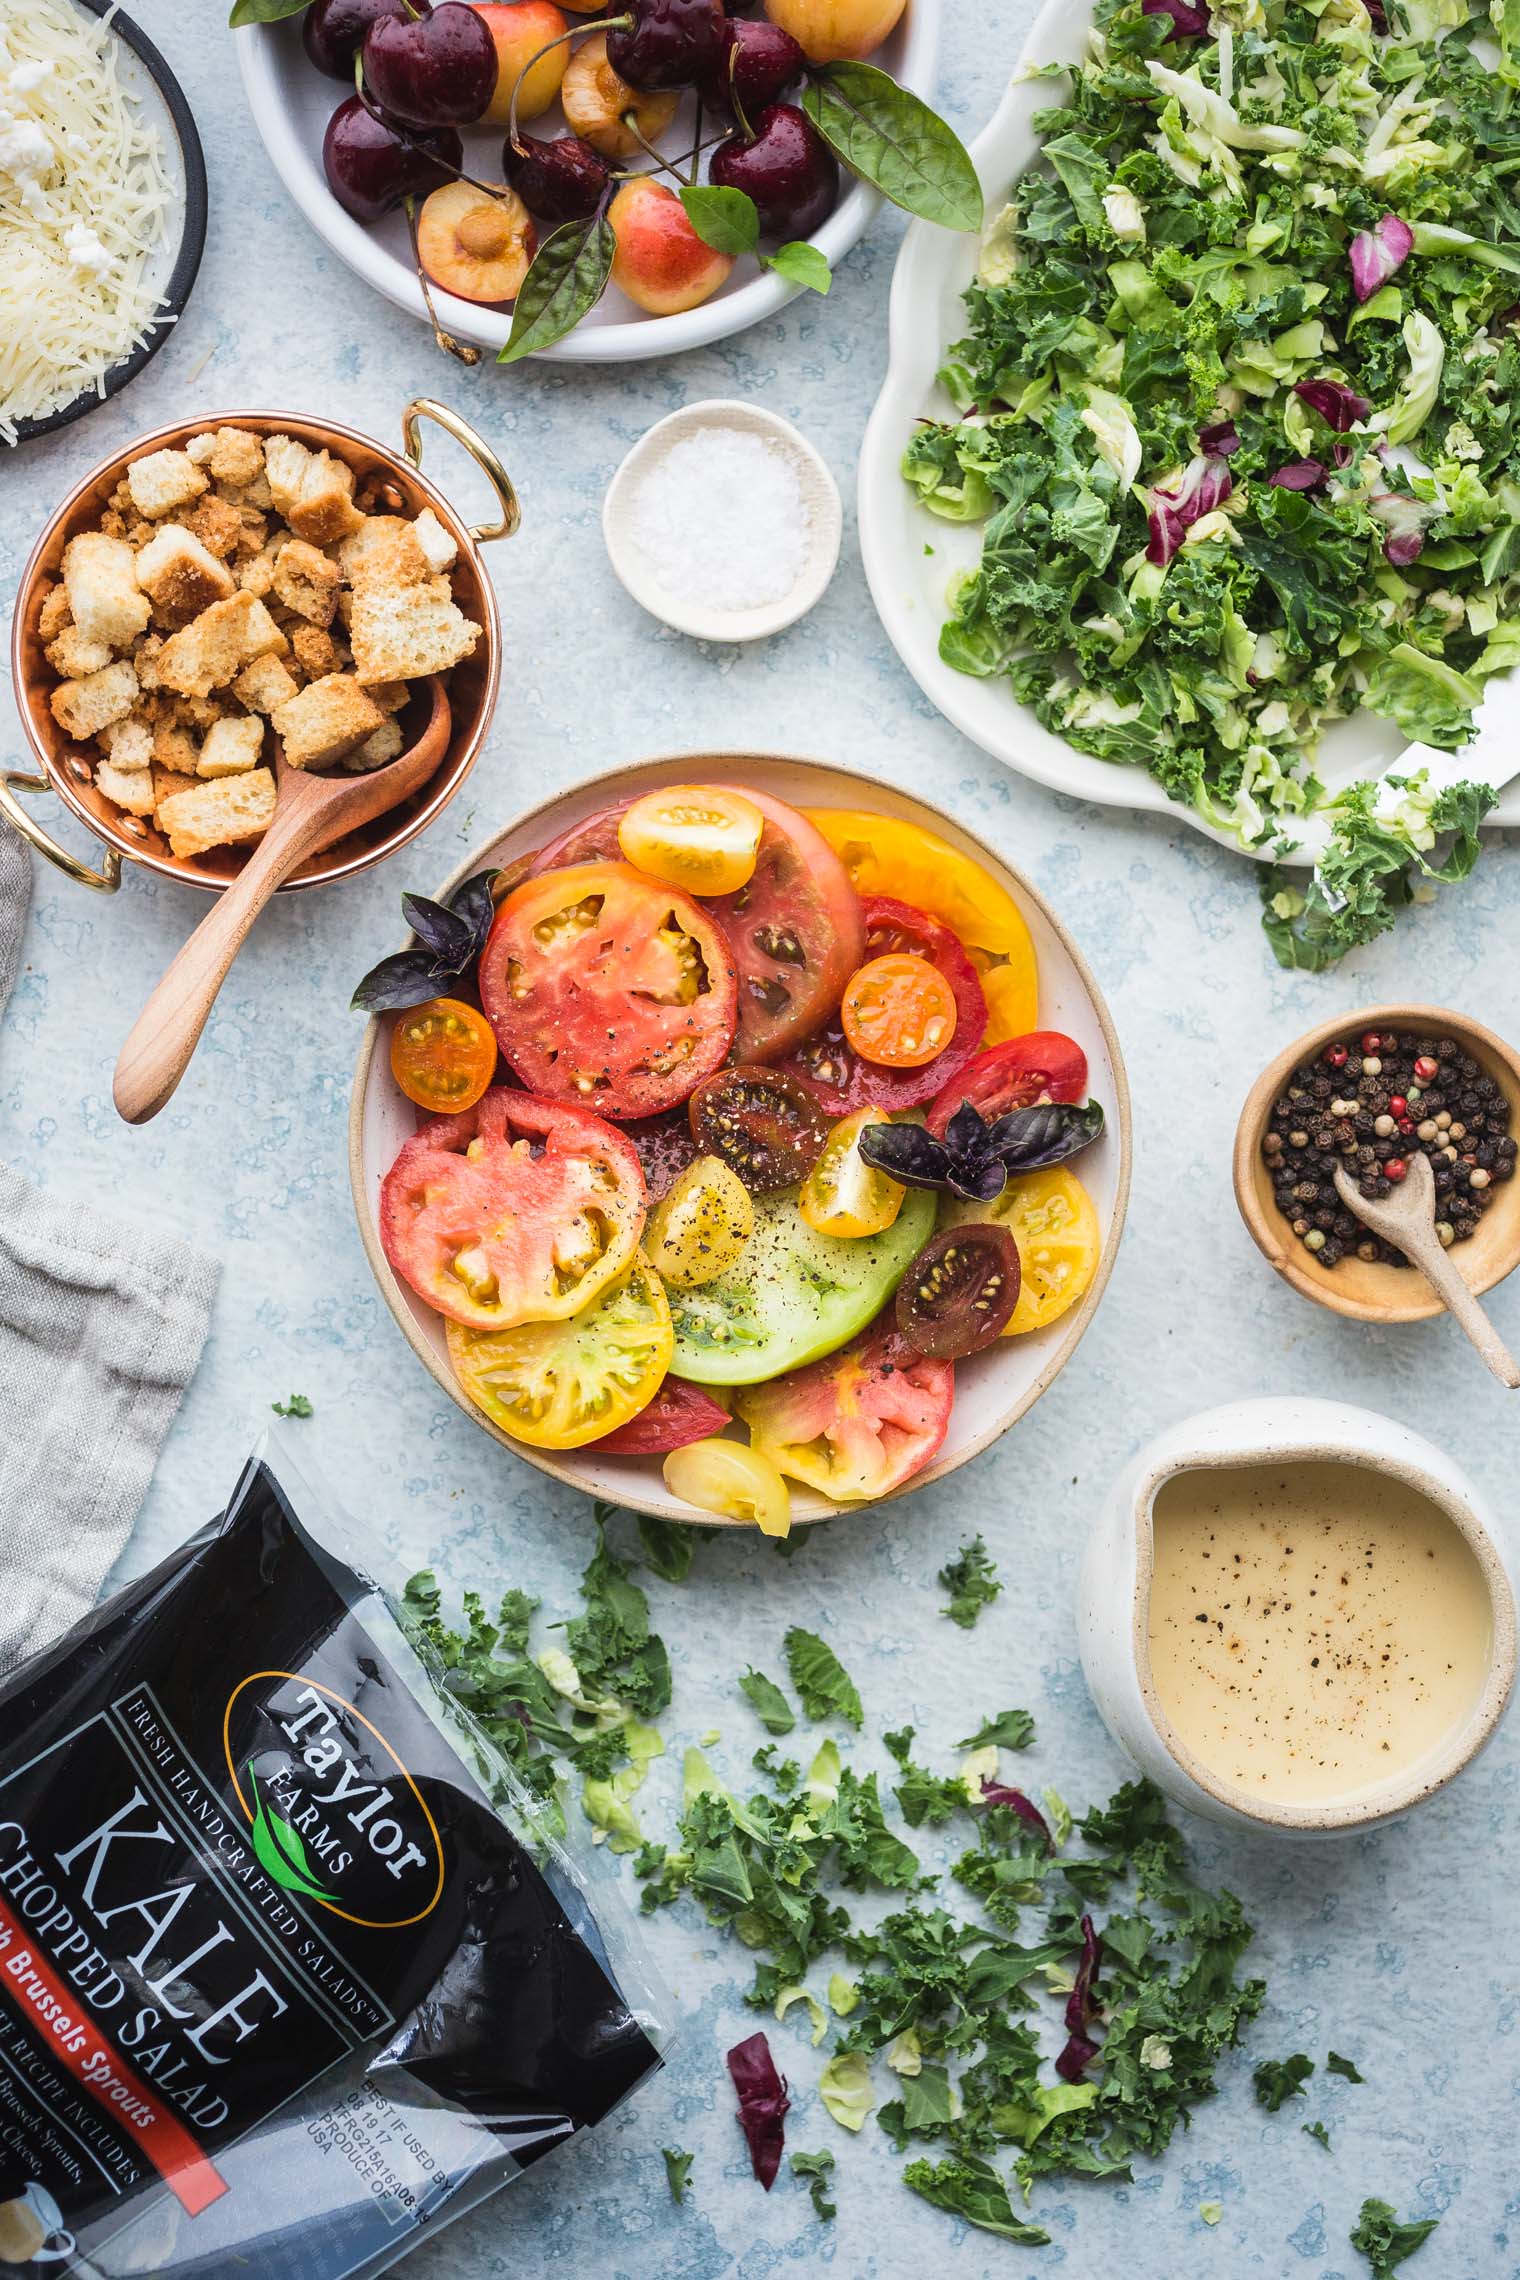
(289, 1973)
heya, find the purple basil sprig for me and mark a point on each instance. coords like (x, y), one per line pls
(763, 2105)
(1377, 253)
(1081, 2050)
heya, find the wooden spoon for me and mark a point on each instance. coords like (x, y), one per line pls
(1407, 1217)
(311, 812)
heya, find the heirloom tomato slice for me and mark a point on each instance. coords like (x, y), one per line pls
(858, 1424)
(843, 1194)
(699, 1229)
(732, 1482)
(608, 989)
(842, 1079)
(518, 1210)
(676, 1414)
(1050, 1216)
(558, 1385)
(443, 1055)
(959, 1294)
(703, 837)
(796, 932)
(1045, 1065)
(764, 1125)
(899, 1011)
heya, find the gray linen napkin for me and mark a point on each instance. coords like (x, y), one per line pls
(101, 1329)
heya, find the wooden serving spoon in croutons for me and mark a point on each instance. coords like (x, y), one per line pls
(1406, 1217)
(311, 812)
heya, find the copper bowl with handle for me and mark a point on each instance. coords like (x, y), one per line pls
(399, 486)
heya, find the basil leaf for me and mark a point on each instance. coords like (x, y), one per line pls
(567, 278)
(448, 937)
(410, 977)
(476, 905)
(264, 11)
(1032, 1137)
(802, 263)
(891, 138)
(727, 220)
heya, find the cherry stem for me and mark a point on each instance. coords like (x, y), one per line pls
(671, 166)
(665, 165)
(696, 152)
(445, 340)
(575, 32)
(745, 128)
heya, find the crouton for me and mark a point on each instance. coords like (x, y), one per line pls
(390, 696)
(232, 746)
(220, 814)
(306, 581)
(376, 751)
(162, 482)
(399, 634)
(54, 614)
(145, 657)
(83, 708)
(253, 530)
(100, 575)
(256, 494)
(130, 788)
(74, 655)
(385, 549)
(263, 685)
(326, 721)
(316, 652)
(312, 490)
(229, 455)
(256, 575)
(174, 749)
(180, 575)
(218, 526)
(219, 643)
(436, 544)
(199, 714)
(127, 744)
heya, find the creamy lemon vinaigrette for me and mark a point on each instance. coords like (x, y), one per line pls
(1316, 1629)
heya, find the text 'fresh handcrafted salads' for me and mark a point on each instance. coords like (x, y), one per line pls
(751, 1132)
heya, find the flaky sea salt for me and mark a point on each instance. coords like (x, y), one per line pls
(721, 520)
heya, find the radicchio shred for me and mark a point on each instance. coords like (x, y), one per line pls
(1188, 22)
(998, 1793)
(1222, 440)
(1081, 2050)
(1205, 485)
(1301, 475)
(1404, 519)
(763, 2105)
(1377, 253)
(1338, 406)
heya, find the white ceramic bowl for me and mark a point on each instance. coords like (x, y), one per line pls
(993, 1390)
(908, 587)
(820, 495)
(292, 103)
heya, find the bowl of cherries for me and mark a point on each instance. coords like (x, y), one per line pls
(599, 186)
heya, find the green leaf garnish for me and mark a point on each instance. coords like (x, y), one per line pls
(801, 264)
(816, 2169)
(668, 1549)
(1384, 2241)
(567, 277)
(1318, 2132)
(725, 219)
(1335, 2064)
(822, 1682)
(972, 1582)
(1278, 2079)
(891, 138)
(971, 2188)
(264, 11)
(296, 1406)
(769, 1703)
(677, 2171)
(1010, 1730)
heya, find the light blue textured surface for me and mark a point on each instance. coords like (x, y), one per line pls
(1399, 1948)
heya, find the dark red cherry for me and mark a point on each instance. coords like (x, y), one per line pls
(333, 31)
(560, 181)
(758, 62)
(670, 43)
(437, 69)
(370, 169)
(786, 167)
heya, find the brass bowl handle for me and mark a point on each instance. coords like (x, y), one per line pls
(105, 881)
(427, 407)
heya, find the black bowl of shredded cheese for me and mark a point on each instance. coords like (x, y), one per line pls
(102, 209)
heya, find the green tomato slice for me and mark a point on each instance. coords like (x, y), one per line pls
(795, 1295)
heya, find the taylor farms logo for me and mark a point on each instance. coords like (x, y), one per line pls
(334, 1816)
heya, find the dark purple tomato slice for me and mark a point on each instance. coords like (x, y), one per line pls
(762, 1123)
(827, 1061)
(664, 1146)
(960, 1292)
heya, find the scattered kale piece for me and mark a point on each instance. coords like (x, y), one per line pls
(824, 1687)
(1010, 1730)
(296, 1406)
(1278, 2079)
(1318, 2132)
(1335, 2064)
(972, 1582)
(1384, 2241)
(923, 1796)
(770, 1705)
(816, 2168)
(677, 2172)
(971, 2188)
(1371, 868)
(667, 1549)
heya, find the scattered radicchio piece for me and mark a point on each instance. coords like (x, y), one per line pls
(999, 1793)
(1188, 22)
(1080, 2049)
(1220, 441)
(1404, 519)
(974, 1158)
(1338, 406)
(1300, 475)
(1377, 253)
(1205, 485)
(763, 2105)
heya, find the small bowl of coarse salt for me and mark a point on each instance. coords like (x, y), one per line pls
(724, 522)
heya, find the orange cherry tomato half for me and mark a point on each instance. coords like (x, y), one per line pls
(899, 1011)
(443, 1055)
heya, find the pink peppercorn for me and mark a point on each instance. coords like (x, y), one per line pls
(1371, 1041)
(1395, 1168)
(1426, 1069)
(1337, 1056)
(1397, 1105)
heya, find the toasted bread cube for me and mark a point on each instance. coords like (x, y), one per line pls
(317, 653)
(100, 575)
(376, 751)
(253, 531)
(54, 614)
(180, 575)
(385, 548)
(312, 490)
(74, 655)
(218, 644)
(436, 544)
(263, 685)
(83, 708)
(218, 526)
(390, 696)
(256, 575)
(130, 788)
(219, 815)
(232, 746)
(127, 744)
(164, 481)
(229, 455)
(306, 581)
(175, 751)
(199, 714)
(326, 721)
(399, 634)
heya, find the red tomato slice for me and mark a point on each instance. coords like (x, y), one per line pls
(1045, 1065)
(608, 990)
(679, 1414)
(519, 1210)
(593, 841)
(856, 1424)
(796, 932)
(828, 1061)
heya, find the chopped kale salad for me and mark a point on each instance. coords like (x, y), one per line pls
(1240, 415)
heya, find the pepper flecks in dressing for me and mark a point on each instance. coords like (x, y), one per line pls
(1316, 1629)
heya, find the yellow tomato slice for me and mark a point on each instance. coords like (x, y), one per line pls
(885, 856)
(737, 1483)
(843, 1194)
(558, 1385)
(1051, 1217)
(700, 1228)
(702, 837)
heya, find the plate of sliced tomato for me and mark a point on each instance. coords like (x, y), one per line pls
(745, 1141)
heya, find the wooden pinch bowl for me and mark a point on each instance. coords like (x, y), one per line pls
(1361, 1290)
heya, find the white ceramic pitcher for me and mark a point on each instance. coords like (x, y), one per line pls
(1114, 1601)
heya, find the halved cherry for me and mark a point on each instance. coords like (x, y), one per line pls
(476, 246)
(763, 1124)
(960, 1292)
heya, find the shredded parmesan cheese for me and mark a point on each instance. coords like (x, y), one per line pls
(84, 201)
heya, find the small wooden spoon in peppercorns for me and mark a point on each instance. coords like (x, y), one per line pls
(1406, 1217)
